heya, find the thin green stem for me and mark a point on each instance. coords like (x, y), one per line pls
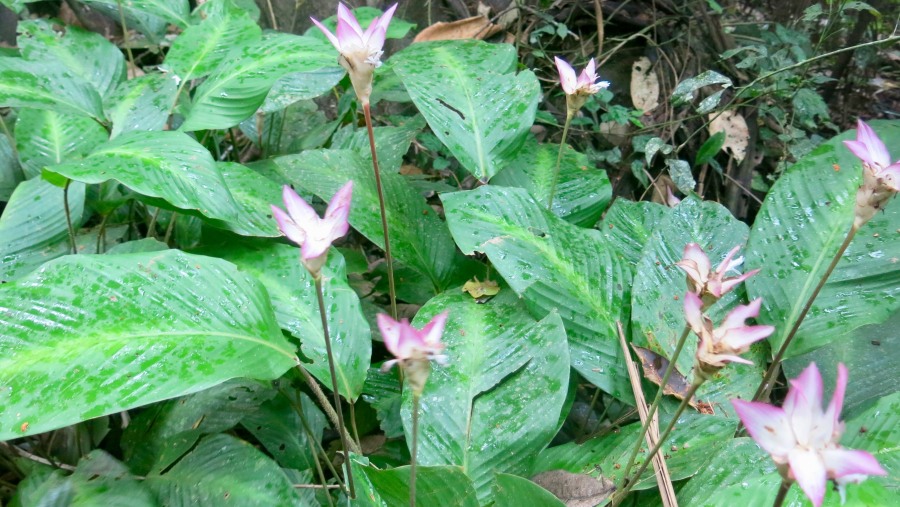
(170, 228)
(414, 451)
(101, 235)
(764, 386)
(392, 290)
(73, 246)
(656, 401)
(151, 227)
(562, 146)
(782, 493)
(631, 481)
(125, 41)
(334, 386)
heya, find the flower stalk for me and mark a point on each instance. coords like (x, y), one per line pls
(562, 146)
(389, 259)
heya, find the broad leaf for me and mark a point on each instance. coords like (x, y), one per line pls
(142, 103)
(419, 238)
(168, 165)
(436, 486)
(201, 48)
(86, 54)
(283, 426)
(803, 221)
(555, 266)
(582, 192)
(254, 194)
(627, 227)
(134, 329)
(43, 85)
(10, 172)
(45, 137)
(877, 430)
(150, 17)
(293, 296)
(391, 143)
(484, 117)
(223, 469)
(501, 362)
(511, 491)
(238, 86)
(298, 86)
(657, 297)
(33, 226)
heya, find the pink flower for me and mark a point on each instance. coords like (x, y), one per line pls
(804, 440)
(697, 266)
(881, 178)
(586, 82)
(721, 345)
(302, 225)
(408, 343)
(360, 52)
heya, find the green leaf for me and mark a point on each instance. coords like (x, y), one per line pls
(553, 265)
(168, 165)
(686, 90)
(125, 341)
(298, 86)
(501, 362)
(45, 138)
(281, 429)
(628, 225)
(436, 486)
(391, 143)
(802, 222)
(583, 190)
(485, 116)
(162, 433)
(46, 86)
(695, 440)
(710, 148)
(150, 17)
(865, 352)
(514, 491)
(877, 430)
(680, 171)
(33, 226)
(142, 103)
(254, 195)
(201, 48)
(382, 392)
(296, 307)
(223, 469)
(239, 85)
(657, 297)
(86, 54)
(10, 172)
(418, 237)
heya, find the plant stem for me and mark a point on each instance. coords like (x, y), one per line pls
(776, 361)
(323, 401)
(620, 495)
(414, 451)
(125, 36)
(782, 493)
(562, 146)
(334, 386)
(170, 228)
(101, 233)
(73, 246)
(656, 401)
(384, 227)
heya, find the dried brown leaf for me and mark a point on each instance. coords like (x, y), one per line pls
(476, 27)
(644, 85)
(575, 490)
(737, 135)
(654, 366)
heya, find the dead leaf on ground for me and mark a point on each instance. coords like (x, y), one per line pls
(644, 85)
(575, 490)
(737, 135)
(654, 366)
(476, 27)
(478, 289)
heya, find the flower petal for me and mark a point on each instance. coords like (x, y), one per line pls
(837, 399)
(349, 33)
(566, 76)
(736, 317)
(842, 462)
(588, 75)
(287, 226)
(300, 211)
(390, 332)
(338, 211)
(808, 469)
(803, 403)
(334, 40)
(434, 330)
(377, 31)
(692, 311)
(877, 151)
(741, 338)
(768, 425)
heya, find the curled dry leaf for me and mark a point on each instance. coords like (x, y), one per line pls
(644, 85)
(476, 27)
(575, 490)
(478, 289)
(737, 135)
(654, 366)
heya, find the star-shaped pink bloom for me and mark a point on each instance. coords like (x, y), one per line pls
(696, 264)
(408, 343)
(804, 440)
(881, 178)
(302, 225)
(360, 51)
(722, 345)
(586, 82)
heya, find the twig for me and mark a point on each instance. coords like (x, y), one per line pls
(326, 405)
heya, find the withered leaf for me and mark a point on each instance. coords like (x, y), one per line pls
(654, 366)
(575, 490)
(476, 27)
